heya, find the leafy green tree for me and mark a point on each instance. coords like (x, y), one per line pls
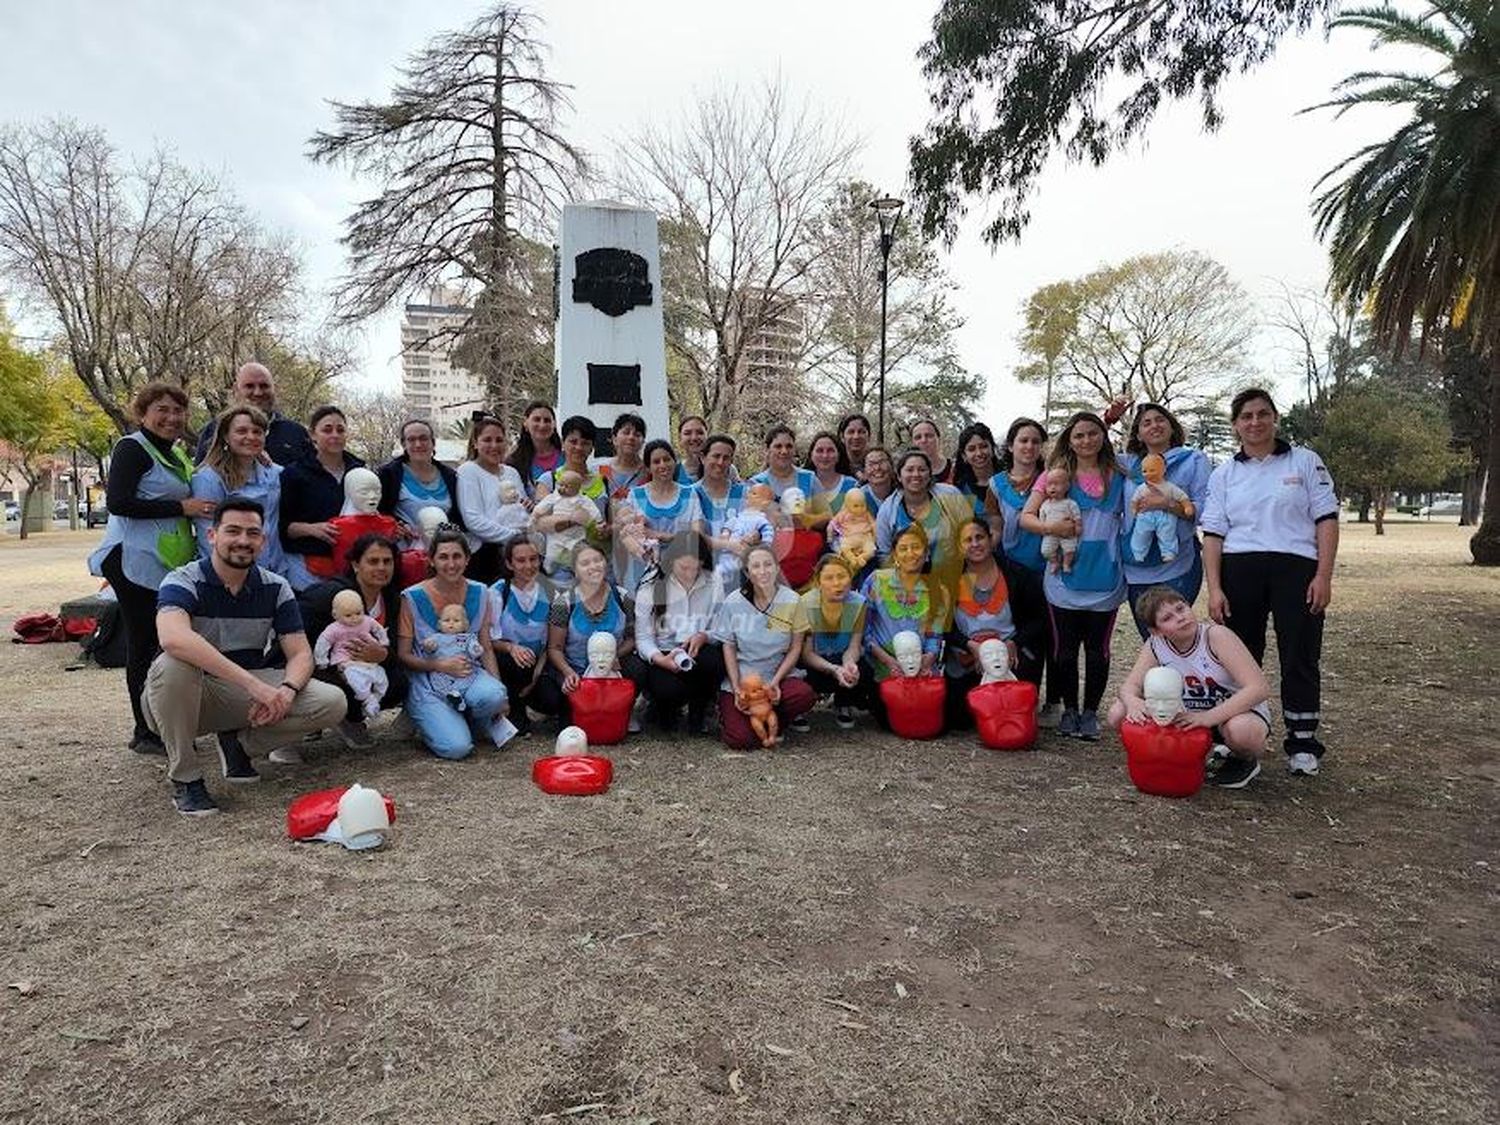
(924, 377)
(1413, 222)
(43, 409)
(1377, 438)
(474, 164)
(1012, 80)
(1169, 328)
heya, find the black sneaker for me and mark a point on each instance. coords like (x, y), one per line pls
(147, 743)
(1235, 773)
(192, 799)
(801, 724)
(236, 763)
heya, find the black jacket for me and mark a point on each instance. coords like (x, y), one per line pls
(390, 487)
(309, 494)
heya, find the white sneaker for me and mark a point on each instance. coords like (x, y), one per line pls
(1216, 753)
(1303, 763)
(286, 756)
(635, 716)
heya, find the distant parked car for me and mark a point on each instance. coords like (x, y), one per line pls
(12, 511)
(98, 515)
(1443, 508)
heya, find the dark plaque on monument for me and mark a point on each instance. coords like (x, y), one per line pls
(615, 383)
(614, 281)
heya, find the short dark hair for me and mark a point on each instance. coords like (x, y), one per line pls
(149, 394)
(518, 541)
(628, 419)
(582, 426)
(1153, 601)
(1248, 395)
(780, 428)
(362, 546)
(448, 535)
(323, 412)
(237, 503)
(410, 422)
(717, 439)
(653, 445)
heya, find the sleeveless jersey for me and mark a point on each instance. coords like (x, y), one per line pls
(1205, 682)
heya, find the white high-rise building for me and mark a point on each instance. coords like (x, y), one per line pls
(435, 389)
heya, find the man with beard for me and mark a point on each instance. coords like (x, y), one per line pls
(216, 618)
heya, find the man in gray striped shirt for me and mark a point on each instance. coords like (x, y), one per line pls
(216, 618)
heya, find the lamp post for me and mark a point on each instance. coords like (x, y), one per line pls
(888, 214)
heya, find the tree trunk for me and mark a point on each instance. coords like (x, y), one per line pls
(1485, 545)
(1468, 513)
(1380, 502)
(1364, 507)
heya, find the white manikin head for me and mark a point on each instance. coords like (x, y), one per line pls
(1162, 691)
(361, 492)
(906, 646)
(994, 658)
(601, 654)
(362, 819)
(571, 740)
(509, 493)
(793, 503)
(429, 519)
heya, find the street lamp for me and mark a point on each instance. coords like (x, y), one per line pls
(888, 214)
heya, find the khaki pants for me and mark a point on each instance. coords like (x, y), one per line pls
(181, 702)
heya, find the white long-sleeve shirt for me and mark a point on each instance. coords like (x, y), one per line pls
(487, 519)
(687, 612)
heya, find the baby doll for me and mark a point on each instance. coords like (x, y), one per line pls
(335, 648)
(630, 532)
(755, 701)
(852, 532)
(512, 511)
(453, 639)
(1058, 506)
(746, 527)
(566, 501)
(1158, 524)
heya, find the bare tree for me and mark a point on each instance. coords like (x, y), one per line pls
(472, 157)
(150, 273)
(1170, 327)
(1317, 336)
(739, 183)
(923, 373)
(375, 418)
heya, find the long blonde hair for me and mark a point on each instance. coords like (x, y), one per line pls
(218, 458)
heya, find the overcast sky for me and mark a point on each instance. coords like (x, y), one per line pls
(239, 88)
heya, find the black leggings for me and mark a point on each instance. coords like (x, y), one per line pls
(138, 616)
(697, 688)
(857, 696)
(1093, 629)
(1034, 641)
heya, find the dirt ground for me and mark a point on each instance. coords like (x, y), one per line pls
(856, 929)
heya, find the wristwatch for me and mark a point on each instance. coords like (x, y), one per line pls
(288, 684)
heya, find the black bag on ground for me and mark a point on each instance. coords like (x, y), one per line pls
(105, 646)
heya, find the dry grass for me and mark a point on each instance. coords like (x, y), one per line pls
(856, 930)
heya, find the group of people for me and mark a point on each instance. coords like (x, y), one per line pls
(249, 614)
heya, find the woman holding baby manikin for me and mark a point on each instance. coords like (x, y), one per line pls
(416, 479)
(491, 497)
(445, 621)
(312, 496)
(673, 614)
(1085, 585)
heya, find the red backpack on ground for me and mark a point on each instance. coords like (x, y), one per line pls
(45, 628)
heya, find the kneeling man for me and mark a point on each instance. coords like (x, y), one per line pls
(216, 619)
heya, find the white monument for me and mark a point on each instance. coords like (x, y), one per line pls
(611, 352)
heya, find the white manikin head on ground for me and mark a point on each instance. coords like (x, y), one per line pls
(362, 819)
(994, 659)
(602, 650)
(571, 740)
(1162, 692)
(361, 493)
(906, 647)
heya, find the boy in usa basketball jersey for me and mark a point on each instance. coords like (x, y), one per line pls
(1222, 686)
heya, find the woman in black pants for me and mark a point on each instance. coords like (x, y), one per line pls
(150, 532)
(1271, 533)
(673, 614)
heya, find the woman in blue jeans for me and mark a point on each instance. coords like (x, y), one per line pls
(1156, 430)
(447, 731)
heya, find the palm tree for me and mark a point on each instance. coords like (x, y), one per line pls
(1413, 222)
